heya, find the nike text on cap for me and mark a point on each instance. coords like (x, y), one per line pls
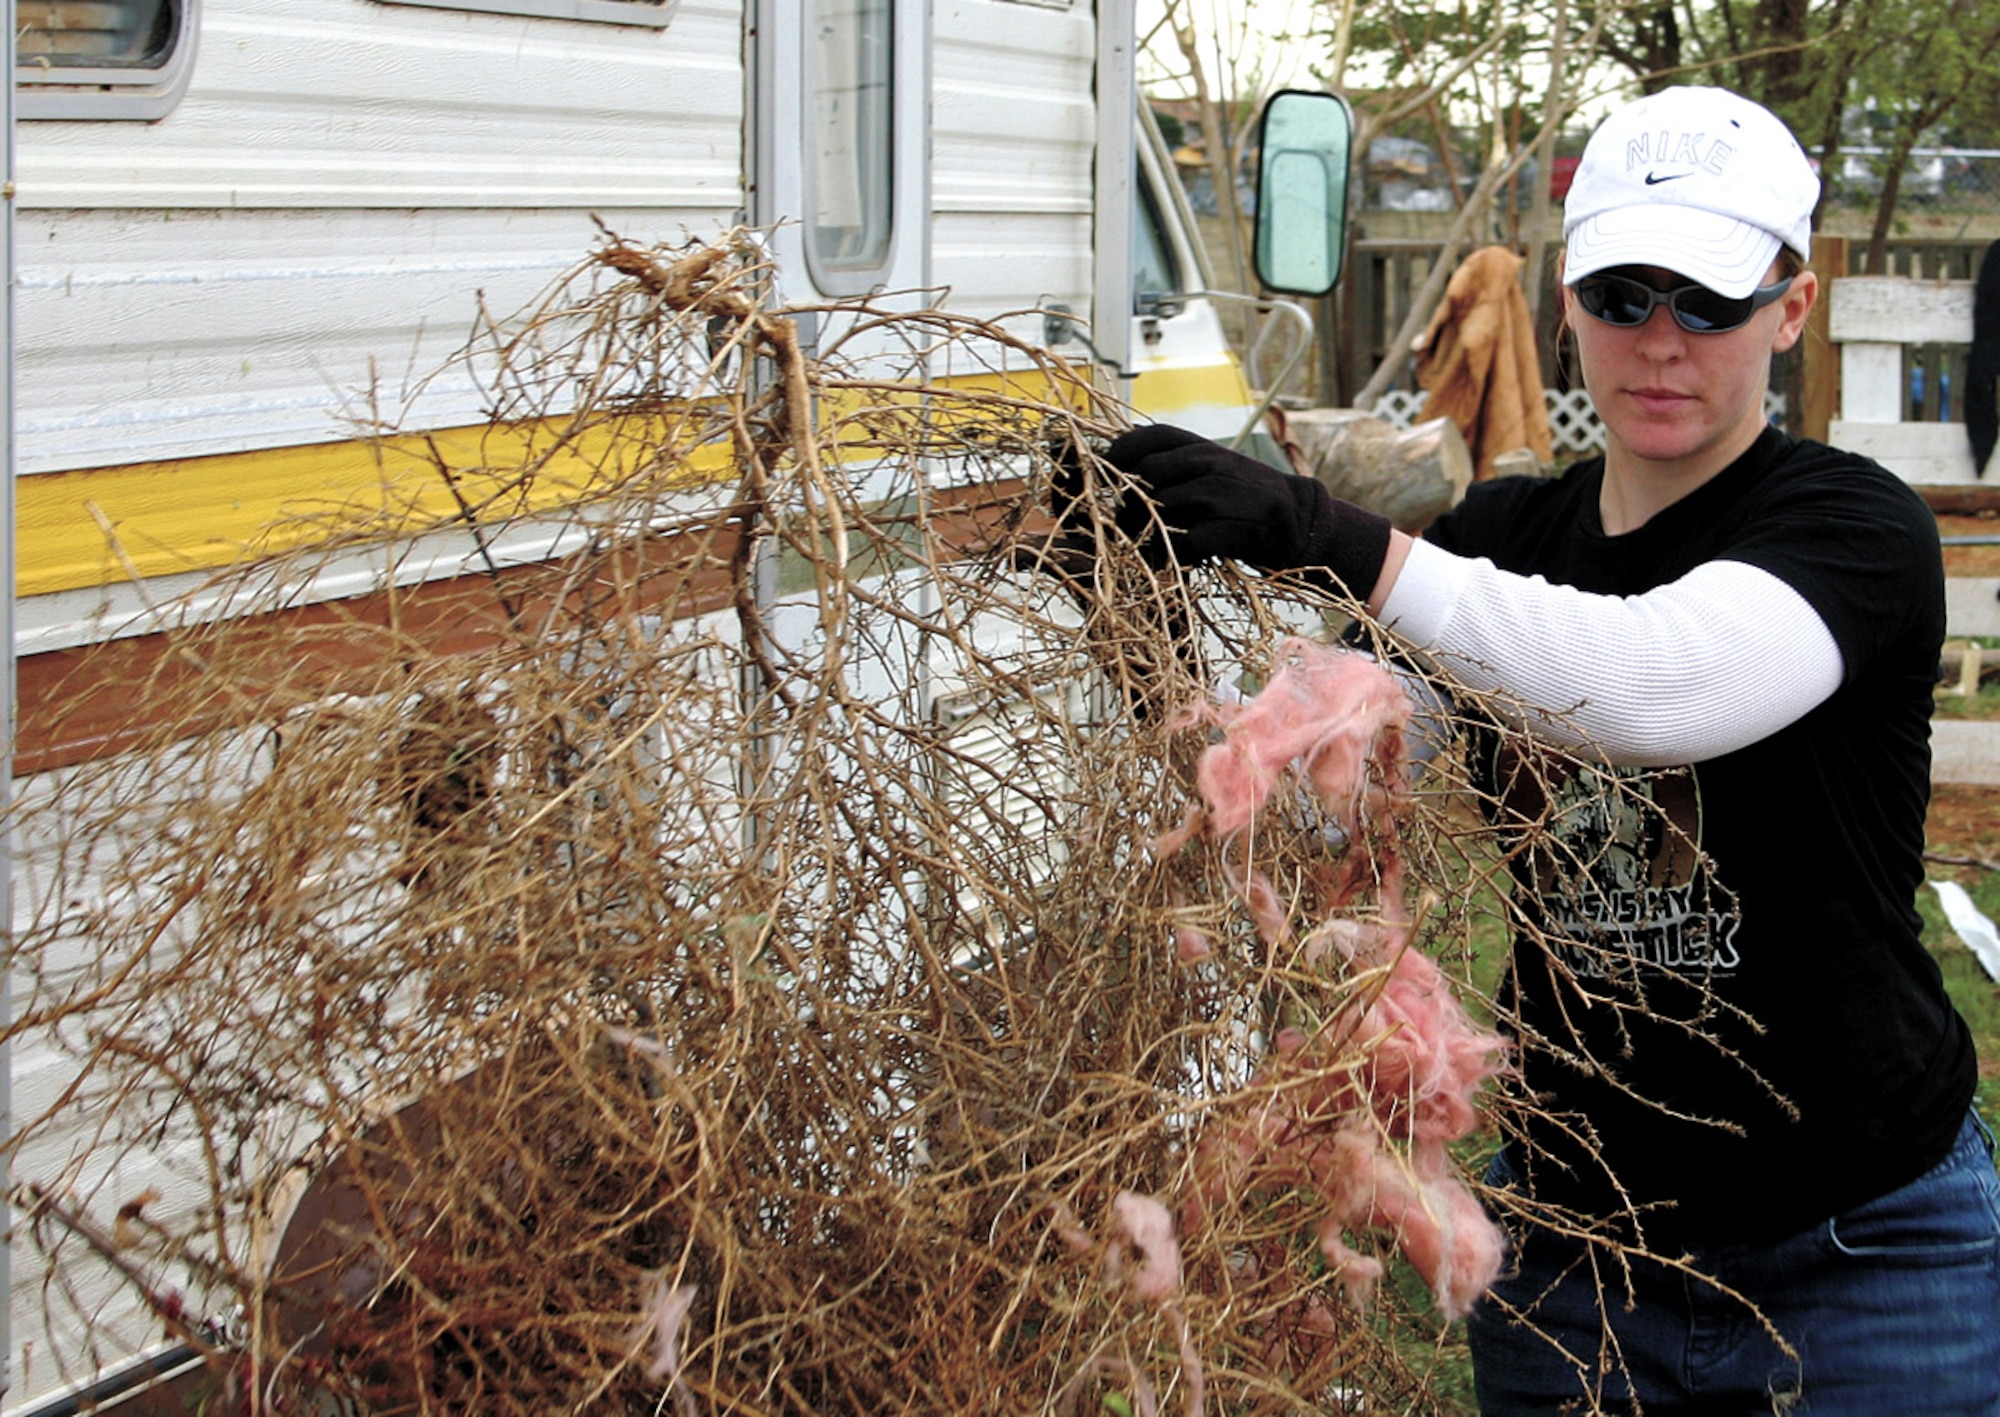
(1700, 181)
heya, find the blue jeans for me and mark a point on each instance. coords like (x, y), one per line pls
(1892, 1309)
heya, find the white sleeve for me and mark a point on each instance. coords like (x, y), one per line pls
(1724, 656)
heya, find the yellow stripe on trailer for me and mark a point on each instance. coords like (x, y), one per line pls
(108, 524)
(105, 525)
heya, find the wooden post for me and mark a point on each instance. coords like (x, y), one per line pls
(1361, 298)
(1820, 357)
(1328, 334)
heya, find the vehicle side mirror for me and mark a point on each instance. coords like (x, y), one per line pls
(1305, 144)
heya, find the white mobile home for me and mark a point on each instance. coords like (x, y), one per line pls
(247, 228)
(246, 224)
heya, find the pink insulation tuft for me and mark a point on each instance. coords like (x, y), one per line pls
(1192, 946)
(1326, 710)
(663, 1328)
(1359, 1112)
(1173, 840)
(1191, 943)
(1148, 1228)
(1142, 1257)
(1271, 914)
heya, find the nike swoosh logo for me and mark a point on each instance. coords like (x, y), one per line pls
(1653, 179)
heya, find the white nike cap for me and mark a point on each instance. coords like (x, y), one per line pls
(1700, 181)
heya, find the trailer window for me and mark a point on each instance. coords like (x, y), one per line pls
(95, 33)
(850, 93)
(1155, 273)
(101, 58)
(611, 12)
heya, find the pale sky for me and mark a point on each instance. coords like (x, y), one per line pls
(1243, 38)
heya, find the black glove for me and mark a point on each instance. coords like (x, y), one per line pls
(1215, 502)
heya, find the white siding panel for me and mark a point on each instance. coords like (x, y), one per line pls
(1013, 142)
(319, 103)
(994, 265)
(68, 1323)
(65, 1325)
(153, 335)
(397, 163)
(87, 1318)
(1013, 121)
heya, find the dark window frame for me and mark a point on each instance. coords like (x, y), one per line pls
(146, 89)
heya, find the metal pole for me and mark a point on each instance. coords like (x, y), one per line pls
(7, 684)
(1117, 100)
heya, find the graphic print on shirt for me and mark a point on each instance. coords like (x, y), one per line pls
(1616, 872)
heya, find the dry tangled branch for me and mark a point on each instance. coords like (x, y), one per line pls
(718, 951)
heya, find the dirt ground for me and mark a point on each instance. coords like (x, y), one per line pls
(1971, 560)
(1964, 821)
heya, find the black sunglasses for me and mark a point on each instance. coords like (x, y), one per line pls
(1625, 302)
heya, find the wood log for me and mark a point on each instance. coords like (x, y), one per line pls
(1409, 477)
(1964, 501)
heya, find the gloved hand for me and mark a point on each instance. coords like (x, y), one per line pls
(1215, 502)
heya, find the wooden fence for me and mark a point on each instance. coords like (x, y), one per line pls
(1358, 320)
(1889, 331)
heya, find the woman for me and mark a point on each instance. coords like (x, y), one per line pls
(1739, 1053)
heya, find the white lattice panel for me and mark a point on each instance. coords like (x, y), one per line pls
(1399, 407)
(1573, 425)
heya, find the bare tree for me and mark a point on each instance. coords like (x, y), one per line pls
(1224, 66)
(1488, 71)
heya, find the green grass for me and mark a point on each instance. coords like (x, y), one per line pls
(1977, 997)
(1985, 705)
(1436, 1358)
